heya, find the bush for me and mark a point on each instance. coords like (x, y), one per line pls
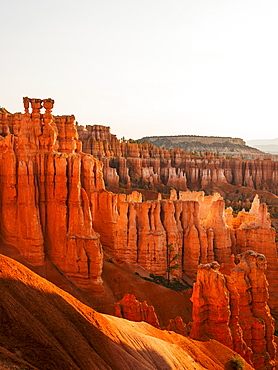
(236, 362)
(174, 284)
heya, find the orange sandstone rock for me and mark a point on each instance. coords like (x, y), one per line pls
(233, 309)
(196, 227)
(256, 233)
(178, 326)
(254, 315)
(150, 166)
(131, 309)
(45, 185)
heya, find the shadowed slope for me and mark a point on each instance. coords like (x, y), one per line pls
(43, 327)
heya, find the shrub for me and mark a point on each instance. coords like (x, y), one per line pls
(236, 362)
(174, 284)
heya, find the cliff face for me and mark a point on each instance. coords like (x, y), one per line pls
(144, 165)
(197, 227)
(45, 183)
(54, 205)
(233, 309)
(260, 236)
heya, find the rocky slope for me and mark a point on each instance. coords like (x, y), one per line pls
(43, 327)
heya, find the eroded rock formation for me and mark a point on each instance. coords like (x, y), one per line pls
(178, 326)
(197, 226)
(131, 309)
(45, 184)
(233, 309)
(54, 206)
(253, 230)
(144, 165)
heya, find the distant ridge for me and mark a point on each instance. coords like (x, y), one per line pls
(214, 144)
(266, 145)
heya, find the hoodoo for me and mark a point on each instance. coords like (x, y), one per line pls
(56, 195)
(233, 309)
(45, 185)
(56, 210)
(145, 165)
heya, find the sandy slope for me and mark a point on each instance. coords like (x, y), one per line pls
(43, 327)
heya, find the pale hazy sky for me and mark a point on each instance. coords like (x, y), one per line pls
(155, 67)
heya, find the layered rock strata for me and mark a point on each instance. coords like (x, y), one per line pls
(255, 232)
(144, 165)
(197, 227)
(54, 205)
(45, 184)
(233, 309)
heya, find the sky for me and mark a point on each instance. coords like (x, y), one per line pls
(148, 67)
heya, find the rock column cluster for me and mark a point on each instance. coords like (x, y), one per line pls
(233, 309)
(144, 164)
(45, 183)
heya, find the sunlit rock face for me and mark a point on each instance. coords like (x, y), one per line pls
(197, 227)
(45, 183)
(260, 236)
(233, 309)
(54, 204)
(144, 164)
(131, 309)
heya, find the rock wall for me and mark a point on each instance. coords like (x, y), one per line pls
(45, 184)
(252, 230)
(233, 309)
(144, 165)
(138, 232)
(197, 227)
(54, 205)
